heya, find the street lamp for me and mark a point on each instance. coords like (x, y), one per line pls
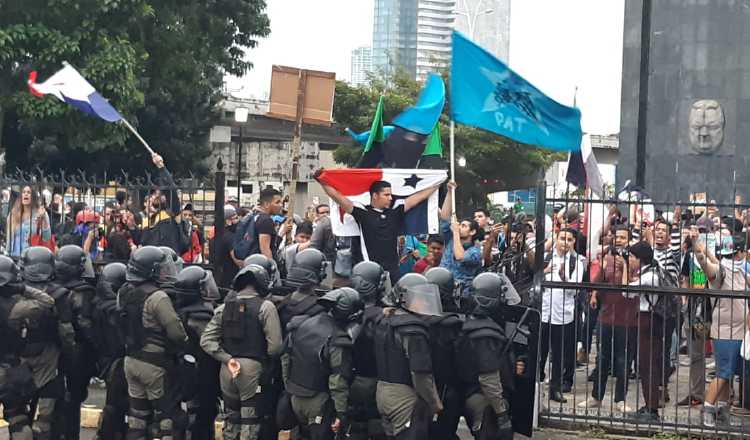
(240, 116)
(471, 17)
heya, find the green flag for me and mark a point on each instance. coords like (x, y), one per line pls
(434, 144)
(376, 130)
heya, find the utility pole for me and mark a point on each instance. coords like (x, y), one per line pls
(296, 146)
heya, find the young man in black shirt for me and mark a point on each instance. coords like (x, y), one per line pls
(265, 228)
(381, 225)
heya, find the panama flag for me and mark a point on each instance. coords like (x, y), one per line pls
(355, 184)
(69, 86)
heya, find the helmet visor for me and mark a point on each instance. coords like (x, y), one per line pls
(167, 272)
(511, 294)
(209, 289)
(423, 299)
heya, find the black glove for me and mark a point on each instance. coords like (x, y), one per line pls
(504, 427)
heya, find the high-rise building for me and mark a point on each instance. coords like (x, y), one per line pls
(487, 23)
(361, 65)
(413, 35)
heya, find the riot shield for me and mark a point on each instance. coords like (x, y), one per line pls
(522, 328)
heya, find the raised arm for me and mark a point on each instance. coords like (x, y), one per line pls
(339, 198)
(445, 210)
(419, 197)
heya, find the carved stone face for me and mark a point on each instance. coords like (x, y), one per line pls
(706, 126)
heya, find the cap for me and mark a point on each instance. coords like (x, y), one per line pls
(229, 211)
(188, 207)
(705, 223)
(732, 244)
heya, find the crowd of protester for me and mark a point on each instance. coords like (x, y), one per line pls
(648, 306)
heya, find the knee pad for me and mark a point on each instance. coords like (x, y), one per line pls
(139, 414)
(18, 419)
(249, 411)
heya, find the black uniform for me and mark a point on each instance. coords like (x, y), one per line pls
(366, 421)
(201, 377)
(444, 332)
(404, 364)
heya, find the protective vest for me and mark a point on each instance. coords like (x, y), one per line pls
(474, 331)
(393, 365)
(132, 301)
(61, 296)
(81, 300)
(309, 344)
(290, 308)
(108, 337)
(444, 333)
(243, 334)
(31, 324)
(364, 348)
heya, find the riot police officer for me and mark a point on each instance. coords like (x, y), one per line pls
(268, 264)
(30, 326)
(196, 292)
(111, 349)
(368, 279)
(74, 272)
(479, 347)
(153, 333)
(242, 335)
(406, 394)
(305, 276)
(444, 332)
(320, 364)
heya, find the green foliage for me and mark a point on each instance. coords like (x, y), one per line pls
(160, 63)
(493, 163)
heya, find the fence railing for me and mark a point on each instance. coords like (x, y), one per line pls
(112, 213)
(631, 345)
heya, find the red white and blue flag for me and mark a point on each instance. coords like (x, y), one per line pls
(69, 86)
(355, 185)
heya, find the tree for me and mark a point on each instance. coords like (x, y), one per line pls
(160, 63)
(493, 163)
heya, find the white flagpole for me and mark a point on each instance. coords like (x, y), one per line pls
(453, 165)
(130, 127)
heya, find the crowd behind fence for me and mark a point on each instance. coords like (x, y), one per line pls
(644, 311)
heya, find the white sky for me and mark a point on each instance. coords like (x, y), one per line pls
(556, 45)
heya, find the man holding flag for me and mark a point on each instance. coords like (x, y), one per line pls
(379, 222)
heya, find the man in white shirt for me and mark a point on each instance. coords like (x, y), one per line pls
(558, 313)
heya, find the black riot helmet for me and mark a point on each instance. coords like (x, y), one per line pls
(254, 275)
(145, 264)
(70, 262)
(266, 263)
(344, 304)
(368, 279)
(309, 268)
(443, 279)
(37, 264)
(169, 252)
(8, 271)
(194, 282)
(414, 293)
(110, 281)
(114, 274)
(491, 291)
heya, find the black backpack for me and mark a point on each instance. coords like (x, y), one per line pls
(245, 241)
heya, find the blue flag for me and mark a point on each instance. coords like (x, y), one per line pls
(485, 93)
(422, 117)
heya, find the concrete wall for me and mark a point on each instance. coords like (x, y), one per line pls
(699, 50)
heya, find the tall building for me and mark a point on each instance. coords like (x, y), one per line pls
(361, 65)
(487, 23)
(413, 35)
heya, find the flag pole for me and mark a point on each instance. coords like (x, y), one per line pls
(130, 127)
(453, 165)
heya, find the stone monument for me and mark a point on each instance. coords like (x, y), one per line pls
(697, 119)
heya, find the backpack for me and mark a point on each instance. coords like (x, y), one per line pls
(245, 241)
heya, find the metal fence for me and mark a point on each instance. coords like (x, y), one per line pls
(618, 337)
(111, 213)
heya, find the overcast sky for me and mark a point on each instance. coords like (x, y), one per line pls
(556, 45)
